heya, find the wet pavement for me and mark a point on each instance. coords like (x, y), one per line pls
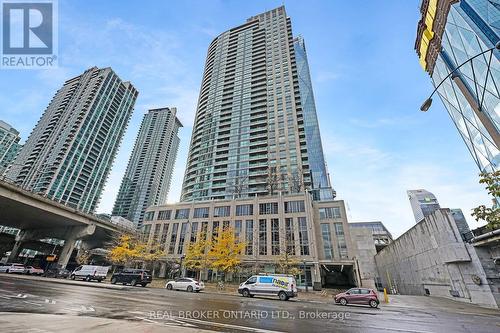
(42, 305)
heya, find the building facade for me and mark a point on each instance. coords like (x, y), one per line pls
(256, 130)
(149, 171)
(450, 32)
(69, 153)
(316, 233)
(432, 259)
(381, 236)
(9, 145)
(423, 203)
(460, 221)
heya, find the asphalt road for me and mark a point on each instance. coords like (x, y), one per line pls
(44, 306)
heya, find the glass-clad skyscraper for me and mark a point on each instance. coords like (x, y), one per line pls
(149, 171)
(320, 181)
(451, 32)
(9, 145)
(69, 153)
(256, 130)
(423, 203)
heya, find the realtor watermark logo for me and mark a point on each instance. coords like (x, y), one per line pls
(29, 34)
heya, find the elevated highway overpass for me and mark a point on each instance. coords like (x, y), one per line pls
(39, 217)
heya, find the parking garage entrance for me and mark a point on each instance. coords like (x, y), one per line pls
(337, 276)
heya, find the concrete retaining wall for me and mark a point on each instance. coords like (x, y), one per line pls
(431, 258)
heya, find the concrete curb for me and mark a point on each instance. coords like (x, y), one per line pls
(93, 284)
(326, 300)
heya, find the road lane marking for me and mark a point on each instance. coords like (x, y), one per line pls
(146, 319)
(87, 309)
(169, 319)
(32, 303)
(240, 328)
(185, 321)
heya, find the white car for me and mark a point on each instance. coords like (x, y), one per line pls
(30, 270)
(12, 268)
(187, 284)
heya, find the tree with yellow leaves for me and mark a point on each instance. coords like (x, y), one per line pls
(128, 249)
(288, 264)
(151, 253)
(197, 255)
(124, 249)
(225, 253)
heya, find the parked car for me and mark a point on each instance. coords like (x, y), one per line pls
(132, 276)
(30, 270)
(283, 286)
(358, 296)
(57, 273)
(12, 268)
(90, 272)
(187, 284)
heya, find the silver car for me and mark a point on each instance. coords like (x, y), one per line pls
(187, 284)
(12, 268)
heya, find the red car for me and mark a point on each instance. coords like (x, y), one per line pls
(358, 296)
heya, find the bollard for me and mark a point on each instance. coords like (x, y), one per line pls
(386, 297)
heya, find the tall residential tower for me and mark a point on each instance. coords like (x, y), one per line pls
(69, 153)
(256, 131)
(9, 145)
(147, 179)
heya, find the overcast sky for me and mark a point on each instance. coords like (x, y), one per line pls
(367, 82)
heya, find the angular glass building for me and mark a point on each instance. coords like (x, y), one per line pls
(320, 180)
(149, 171)
(9, 145)
(423, 203)
(450, 33)
(69, 153)
(256, 130)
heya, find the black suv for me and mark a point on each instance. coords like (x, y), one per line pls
(132, 276)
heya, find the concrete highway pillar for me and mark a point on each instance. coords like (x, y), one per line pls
(21, 237)
(72, 235)
(67, 250)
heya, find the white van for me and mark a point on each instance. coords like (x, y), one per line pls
(90, 272)
(283, 286)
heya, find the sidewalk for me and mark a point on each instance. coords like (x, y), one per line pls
(232, 290)
(435, 302)
(94, 284)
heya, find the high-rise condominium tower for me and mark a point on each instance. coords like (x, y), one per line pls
(149, 171)
(256, 130)
(69, 153)
(9, 145)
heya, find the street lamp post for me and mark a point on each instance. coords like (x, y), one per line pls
(476, 104)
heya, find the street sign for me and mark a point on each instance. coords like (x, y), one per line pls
(51, 258)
